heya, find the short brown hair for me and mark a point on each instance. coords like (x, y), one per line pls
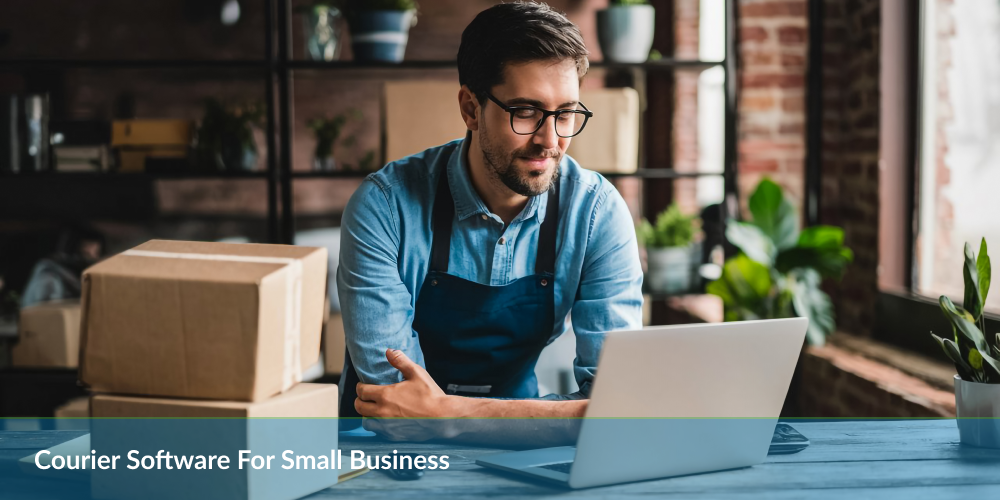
(516, 32)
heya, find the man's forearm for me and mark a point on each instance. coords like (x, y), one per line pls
(460, 407)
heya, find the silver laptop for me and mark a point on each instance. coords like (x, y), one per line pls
(675, 400)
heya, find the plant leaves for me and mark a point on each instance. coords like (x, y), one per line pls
(985, 270)
(964, 325)
(774, 214)
(744, 287)
(751, 241)
(951, 350)
(819, 247)
(973, 301)
(809, 301)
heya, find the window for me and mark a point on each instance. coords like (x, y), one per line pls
(958, 164)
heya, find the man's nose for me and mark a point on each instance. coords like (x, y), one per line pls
(546, 136)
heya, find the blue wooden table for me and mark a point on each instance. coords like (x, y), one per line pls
(889, 459)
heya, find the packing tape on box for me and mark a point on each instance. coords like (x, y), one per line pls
(292, 372)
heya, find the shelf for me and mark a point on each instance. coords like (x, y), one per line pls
(660, 173)
(340, 174)
(132, 176)
(657, 65)
(130, 64)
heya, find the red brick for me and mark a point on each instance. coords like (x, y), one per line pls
(792, 34)
(753, 34)
(793, 8)
(783, 80)
(758, 166)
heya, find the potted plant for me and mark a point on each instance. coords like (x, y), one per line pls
(625, 30)
(669, 250)
(321, 28)
(380, 28)
(976, 356)
(779, 269)
(328, 130)
(225, 136)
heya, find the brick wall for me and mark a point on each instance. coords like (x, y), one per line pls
(850, 177)
(773, 38)
(837, 383)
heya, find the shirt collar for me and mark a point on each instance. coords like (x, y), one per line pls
(468, 202)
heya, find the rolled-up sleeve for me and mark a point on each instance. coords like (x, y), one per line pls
(375, 302)
(610, 293)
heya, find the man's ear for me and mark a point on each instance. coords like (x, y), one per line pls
(469, 106)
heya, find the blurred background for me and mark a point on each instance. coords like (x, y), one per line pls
(866, 125)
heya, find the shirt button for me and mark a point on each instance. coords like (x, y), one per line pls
(484, 216)
(502, 241)
(545, 282)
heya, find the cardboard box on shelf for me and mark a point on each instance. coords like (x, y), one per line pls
(610, 143)
(49, 336)
(74, 408)
(202, 320)
(137, 140)
(334, 344)
(413, 125)
(301, 421)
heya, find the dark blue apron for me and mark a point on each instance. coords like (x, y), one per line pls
(480, 340)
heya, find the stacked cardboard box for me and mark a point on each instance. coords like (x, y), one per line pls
(205, 330)
(48, 336)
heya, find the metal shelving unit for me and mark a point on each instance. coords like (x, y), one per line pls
(277, 68)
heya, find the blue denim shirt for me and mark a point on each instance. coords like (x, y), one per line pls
(386, 243)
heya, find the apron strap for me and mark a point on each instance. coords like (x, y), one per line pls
(444, 214)
(545, 258)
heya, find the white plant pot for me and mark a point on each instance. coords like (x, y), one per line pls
(625, 33)
(978, 407)
(669, 269)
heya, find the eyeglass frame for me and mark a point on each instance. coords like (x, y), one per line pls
(587, 114)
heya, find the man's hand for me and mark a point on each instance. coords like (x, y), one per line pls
(417, 396)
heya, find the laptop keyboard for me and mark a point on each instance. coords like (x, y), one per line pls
(562, 467)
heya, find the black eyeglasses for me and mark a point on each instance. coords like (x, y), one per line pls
(526, 120)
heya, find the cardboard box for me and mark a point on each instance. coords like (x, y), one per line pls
(202, 320)
(334, 345)
(301, 420)
(420, 114)
(49, 336)
(137, 140)
(74, 408)
(610, 143)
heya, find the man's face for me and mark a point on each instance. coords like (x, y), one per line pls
(528, 164)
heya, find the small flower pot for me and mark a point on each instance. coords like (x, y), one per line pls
(978, 407)
(625, 33)
(669, 269)
(324, 164)
(381, 35)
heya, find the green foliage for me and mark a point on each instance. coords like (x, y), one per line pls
(975, 359)
(672, 229)
(328, 130)
(780, 268)
(223, 122)
(626, 3)
(366, 5)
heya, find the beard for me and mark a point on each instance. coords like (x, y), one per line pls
(500, 164)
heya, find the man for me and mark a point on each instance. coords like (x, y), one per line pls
(459, 264)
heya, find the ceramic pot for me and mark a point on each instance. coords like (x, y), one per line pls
(669, 269)
(978, 406)
(625, 33)
(381, 35)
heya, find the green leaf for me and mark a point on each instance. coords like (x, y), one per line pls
(744, 288)
(985, 271)
(975, 359)
(973, 301)
(964, 325)
(774, 214)
(819, 247)
(951, 350)
(809, 301)
(751, 241)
